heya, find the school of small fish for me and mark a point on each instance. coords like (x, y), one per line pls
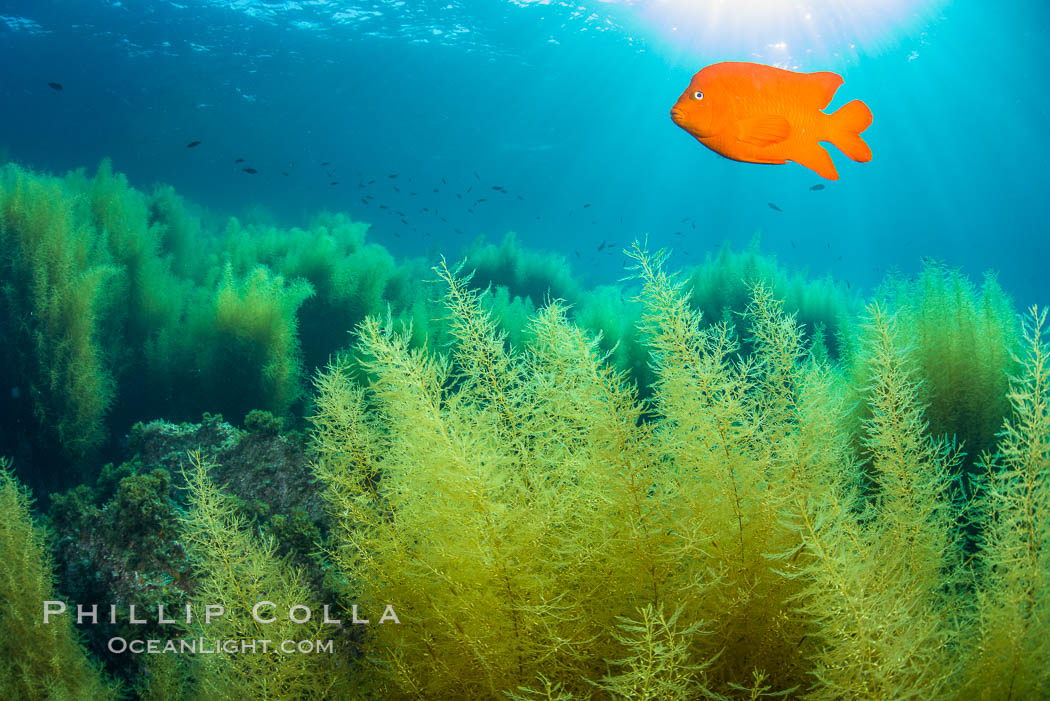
(743, 111)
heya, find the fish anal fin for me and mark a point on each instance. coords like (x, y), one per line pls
(815, 157)
(764, 131)
(820, 87)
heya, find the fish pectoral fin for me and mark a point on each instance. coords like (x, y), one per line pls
(764, 131)
(816, 158)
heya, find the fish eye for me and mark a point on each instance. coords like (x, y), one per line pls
(699, 95)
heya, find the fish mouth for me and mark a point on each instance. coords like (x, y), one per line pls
(677, 116)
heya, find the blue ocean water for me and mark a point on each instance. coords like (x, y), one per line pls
(563, 104)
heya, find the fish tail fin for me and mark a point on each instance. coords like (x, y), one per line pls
(846, 125)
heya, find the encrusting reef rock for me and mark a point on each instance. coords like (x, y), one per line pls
(117, 542)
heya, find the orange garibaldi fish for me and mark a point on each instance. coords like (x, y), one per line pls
(761, 114)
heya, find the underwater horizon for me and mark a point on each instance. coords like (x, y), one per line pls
(505, 327)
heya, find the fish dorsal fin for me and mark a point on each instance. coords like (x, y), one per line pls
(818, 88)
(763, 131)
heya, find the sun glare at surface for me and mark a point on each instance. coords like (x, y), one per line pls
(787, 33)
